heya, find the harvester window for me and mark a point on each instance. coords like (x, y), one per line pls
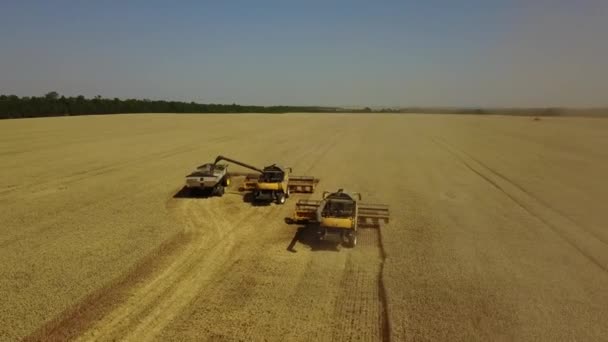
(272, 177)
(338, 209)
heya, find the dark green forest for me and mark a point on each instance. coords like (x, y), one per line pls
(53, 104)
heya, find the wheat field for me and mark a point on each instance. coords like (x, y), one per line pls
(498, 229)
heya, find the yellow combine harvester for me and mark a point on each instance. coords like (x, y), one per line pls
(273, 183)
(340, 213)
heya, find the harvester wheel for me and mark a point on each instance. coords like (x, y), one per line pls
(351, 239)
(219, 190)
(281, 198)
(287, 193)
(321, 234)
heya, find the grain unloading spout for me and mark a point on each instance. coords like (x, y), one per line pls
(219, 158)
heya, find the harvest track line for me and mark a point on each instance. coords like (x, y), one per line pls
(578, 238)
(361, 303)
(386, 322)
(81, 316)
(139, 307)
(86, 174)
(541, 201)
(326, 147)
(153, 306)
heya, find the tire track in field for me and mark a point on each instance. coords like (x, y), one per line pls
(47, 222)
(370, 250)
(85, 204)
(362, 303)
(541, 201)
(212, 225)
(156, 301)
(325, 147)
(579, 239)
(164, 294)
(81, 316)
(78, 176)
(41, 139)
(386, 321)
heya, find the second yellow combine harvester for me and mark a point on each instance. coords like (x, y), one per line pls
(340, 213)
(273, 183)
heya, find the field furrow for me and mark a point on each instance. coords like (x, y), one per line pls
(497, 230)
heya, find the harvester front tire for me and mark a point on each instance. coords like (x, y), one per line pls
(351, 240)
(281, 198)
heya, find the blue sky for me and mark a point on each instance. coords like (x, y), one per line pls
(384, 53)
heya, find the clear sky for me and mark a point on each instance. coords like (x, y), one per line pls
(372, 53)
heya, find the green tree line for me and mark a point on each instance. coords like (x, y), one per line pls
(52, 104)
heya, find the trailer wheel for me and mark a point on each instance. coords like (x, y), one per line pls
(219, 190)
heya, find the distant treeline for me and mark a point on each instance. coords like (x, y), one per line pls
(52, 104)
(587, 112)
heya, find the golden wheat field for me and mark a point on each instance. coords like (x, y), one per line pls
(498, 230)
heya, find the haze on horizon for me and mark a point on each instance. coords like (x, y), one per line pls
(342, 53)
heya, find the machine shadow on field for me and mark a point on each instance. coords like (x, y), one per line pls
(249, 199)
(307, 235)
(186, 192)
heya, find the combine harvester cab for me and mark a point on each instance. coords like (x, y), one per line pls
(274, 182)
(340, 213)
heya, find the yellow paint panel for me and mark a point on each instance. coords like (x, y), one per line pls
(335, 222)
(268, 186)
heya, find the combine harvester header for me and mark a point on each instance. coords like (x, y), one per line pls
(341, 213)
